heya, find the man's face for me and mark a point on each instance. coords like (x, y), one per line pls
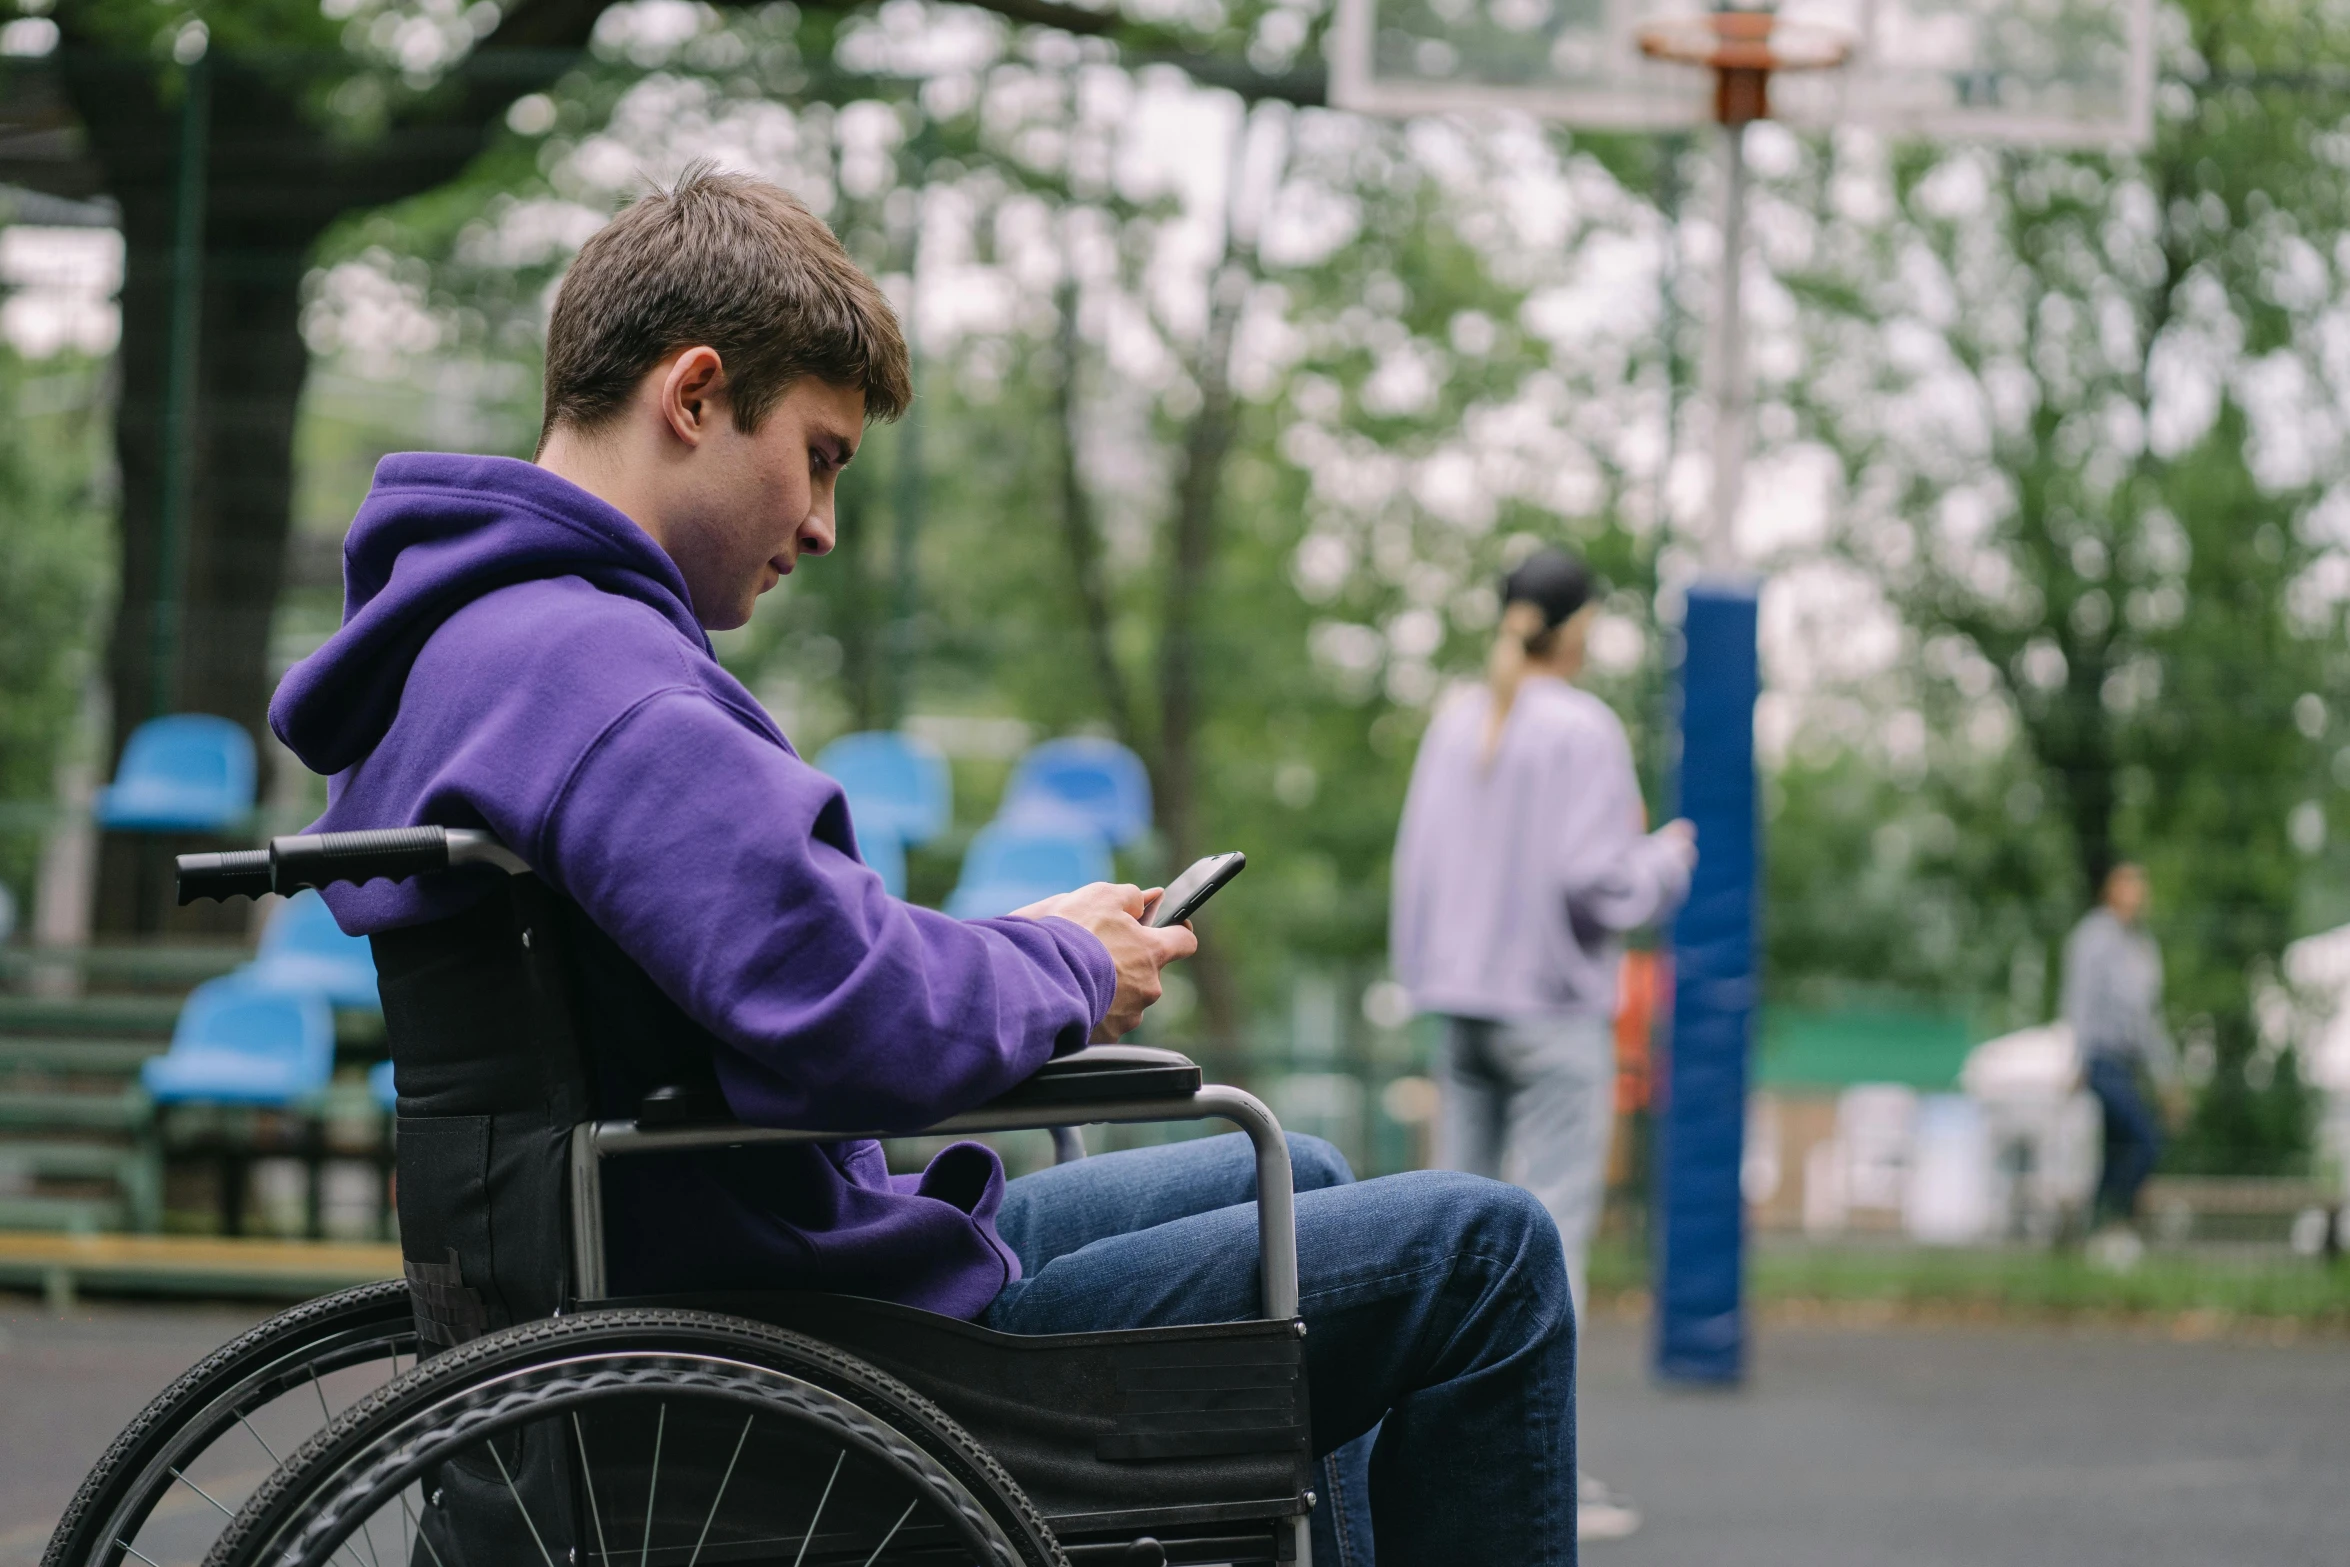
(2125, 893)
(757, 502)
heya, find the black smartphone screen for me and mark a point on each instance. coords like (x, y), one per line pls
(1194, 887)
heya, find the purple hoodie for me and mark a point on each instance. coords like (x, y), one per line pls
(519, 656)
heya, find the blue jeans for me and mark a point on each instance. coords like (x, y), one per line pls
(1436, 1309)
(2133, 1137)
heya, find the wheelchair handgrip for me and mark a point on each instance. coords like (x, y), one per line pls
(243, 873)
(321, 859)
(317, 860)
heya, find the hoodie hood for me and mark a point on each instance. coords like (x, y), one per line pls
(437, 532)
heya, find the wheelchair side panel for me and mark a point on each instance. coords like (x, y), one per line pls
(1126, 1433)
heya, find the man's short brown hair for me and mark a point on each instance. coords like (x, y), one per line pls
(732, 262)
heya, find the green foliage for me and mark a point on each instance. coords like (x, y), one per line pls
(954, 596)
(2046, 377)
(59, 559)
(2110, 612)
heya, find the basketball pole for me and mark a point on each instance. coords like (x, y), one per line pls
(1701, 1239)
(1699, 1260)
(1726, 361)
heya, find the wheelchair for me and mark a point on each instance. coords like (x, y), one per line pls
(500, 1407)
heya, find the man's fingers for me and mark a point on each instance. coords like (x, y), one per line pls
(1175, 941)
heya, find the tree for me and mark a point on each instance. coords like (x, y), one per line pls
(2050, 384)
(233, 134)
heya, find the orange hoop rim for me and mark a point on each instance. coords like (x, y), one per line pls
(1746, 41)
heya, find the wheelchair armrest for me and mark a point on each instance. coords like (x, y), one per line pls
(674, 1105)
(1121, 1072)
(1106, 1072)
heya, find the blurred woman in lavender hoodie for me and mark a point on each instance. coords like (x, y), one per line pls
(1519, 865)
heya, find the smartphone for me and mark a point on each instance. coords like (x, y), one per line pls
(1196, 886)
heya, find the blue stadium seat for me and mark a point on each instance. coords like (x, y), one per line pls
(883, 854)
(1098, 781)
(238, 1043)
(380, 1089)
(893, 782)
(302, 948)
(1012, 864)
(190, 772)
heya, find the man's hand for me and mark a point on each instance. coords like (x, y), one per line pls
(1113, 912)
(1681, 834)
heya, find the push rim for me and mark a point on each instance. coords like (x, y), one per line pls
(365, 1499)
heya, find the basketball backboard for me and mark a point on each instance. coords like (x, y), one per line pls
(2043, 72)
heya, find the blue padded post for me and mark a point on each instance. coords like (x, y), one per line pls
(1700, 1226)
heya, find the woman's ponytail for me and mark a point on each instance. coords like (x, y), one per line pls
(1539, 596)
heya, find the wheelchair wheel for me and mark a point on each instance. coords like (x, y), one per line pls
(181, 1468)
(652, 1437)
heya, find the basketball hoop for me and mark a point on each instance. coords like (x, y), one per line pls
(1743, 49)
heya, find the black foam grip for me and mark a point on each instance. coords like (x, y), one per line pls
(241, 874)
(321, 859)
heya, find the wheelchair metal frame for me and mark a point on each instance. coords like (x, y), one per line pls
(594, 1141)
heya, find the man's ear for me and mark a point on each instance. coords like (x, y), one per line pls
(690, 393)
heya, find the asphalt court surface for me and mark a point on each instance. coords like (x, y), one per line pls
(1977, 1446)
(1973, 1446)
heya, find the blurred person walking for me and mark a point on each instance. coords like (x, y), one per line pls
(2112, 998)
(1519, 864)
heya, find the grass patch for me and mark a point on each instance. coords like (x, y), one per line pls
(2025, 1282)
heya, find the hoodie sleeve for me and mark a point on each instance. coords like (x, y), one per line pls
(715, 858)
(1614, 876)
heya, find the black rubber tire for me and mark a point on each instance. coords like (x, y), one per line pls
(497, 1382)
(319, 1335)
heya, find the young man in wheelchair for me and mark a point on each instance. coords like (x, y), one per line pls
(524, 650)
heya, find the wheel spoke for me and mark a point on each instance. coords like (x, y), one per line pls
(652, 1488)
(723, 1481)
(820, 1501)
(527, 1521)
(420, 1534)
(893, 1531)
(135, 1551)
(587, 1473)
(200, 1491)
(265, 1447)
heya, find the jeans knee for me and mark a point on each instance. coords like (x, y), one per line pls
(1470, 1213)
(1315, 1164)
(1517, 1215)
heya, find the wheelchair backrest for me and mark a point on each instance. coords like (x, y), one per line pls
(479, 1011)
(510, 1023)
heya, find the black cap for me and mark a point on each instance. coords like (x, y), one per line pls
(1553, 580)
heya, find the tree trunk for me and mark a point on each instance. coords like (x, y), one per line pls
(273, 180)
(1081, 538)
(250, 364)
(1192, 557)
